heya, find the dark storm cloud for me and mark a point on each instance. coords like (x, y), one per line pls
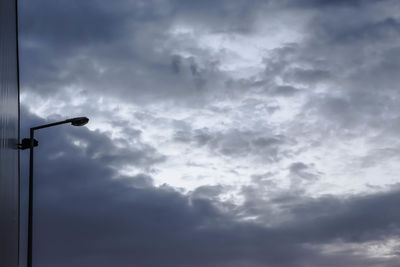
(124, 39)
(117, 48)
(355, 219)
(88, 215)
(75, 23)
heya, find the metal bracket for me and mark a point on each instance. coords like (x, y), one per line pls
(26, 143)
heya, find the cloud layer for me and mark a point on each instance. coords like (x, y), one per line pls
(245, 133)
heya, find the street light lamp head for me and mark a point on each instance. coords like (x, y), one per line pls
(79, 121)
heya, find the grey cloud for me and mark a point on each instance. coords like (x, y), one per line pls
(374, 157)
(138, 181)
(338, 110)
(286, 90)
(176, 62)
(85, 217)
(110, 28)
(89, 215)
(352, 53)
(235, 143)
(302, 175)
(307, 76)
(316, 4)
(222, 15)
(297, 167)
(360, 32)
(118, 48)
(265, 142)
(266, 85)
(328, 217)
(353, 214)
(202, 137)
(207, 192)
(95, 145)
(136, 154)
(83, 23)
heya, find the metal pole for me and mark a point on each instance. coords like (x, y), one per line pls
(79, 121)
(30, 212)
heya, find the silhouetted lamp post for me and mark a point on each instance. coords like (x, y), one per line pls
(31, 143)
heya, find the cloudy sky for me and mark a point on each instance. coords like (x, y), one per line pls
(222, 133)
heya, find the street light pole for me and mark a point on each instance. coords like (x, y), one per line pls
(31, 143)
(30, 209)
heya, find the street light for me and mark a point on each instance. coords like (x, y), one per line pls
(31, 143)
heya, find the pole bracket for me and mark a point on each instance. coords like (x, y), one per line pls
(26, 143)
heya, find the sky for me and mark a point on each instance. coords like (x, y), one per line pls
(222, 133)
